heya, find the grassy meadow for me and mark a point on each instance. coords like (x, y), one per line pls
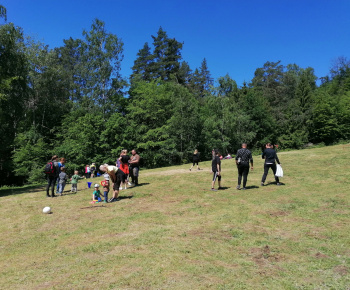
(173, 232)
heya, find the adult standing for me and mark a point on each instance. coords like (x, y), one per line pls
(124, 166)
(271, 158)
(216, 169)
(243, 157)
(116, 176)
(195, 159)
(134, 167)
(52, 176)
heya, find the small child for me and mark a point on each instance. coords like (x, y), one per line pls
(63, 179)
(96, 195)
(74, 181)
(106, 187)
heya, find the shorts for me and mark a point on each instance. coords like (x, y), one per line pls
(215, 175)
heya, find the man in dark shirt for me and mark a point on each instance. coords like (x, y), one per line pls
(134, 167)
(216, 169)
(270, 157)
(243, 157)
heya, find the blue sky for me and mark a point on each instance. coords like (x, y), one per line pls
(235, 37)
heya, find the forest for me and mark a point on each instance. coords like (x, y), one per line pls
(73, 101)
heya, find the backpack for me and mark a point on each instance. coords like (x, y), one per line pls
(49, 168)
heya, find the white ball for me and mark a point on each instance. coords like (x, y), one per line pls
(47, 209)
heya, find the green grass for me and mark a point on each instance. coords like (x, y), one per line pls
(174, 233)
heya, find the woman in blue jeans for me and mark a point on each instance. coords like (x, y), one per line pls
(271, 158)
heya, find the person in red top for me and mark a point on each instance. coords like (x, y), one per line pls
(124, 166)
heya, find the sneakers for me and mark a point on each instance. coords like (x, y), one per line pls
(111, 199)
(243, 188)
(262, 183)
(105, 201)
(238, 187)
(220, 188)
(190, 169)
(278, 183)
(213, 189)
(120, 188)
(129, 183)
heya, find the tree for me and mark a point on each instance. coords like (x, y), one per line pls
(141, 69)
(13, 94)
(201, 81)
(3, 12)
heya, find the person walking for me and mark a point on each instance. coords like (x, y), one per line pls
(271, 158)
(195, 159)
(243, 157)
(216, 169)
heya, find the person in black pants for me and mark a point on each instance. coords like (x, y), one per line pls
(243, 157)
(270, 157)
(52, 177)
(195, 159)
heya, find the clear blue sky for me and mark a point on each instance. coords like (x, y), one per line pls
(235, 36)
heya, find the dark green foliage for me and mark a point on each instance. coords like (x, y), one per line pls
(71, 101)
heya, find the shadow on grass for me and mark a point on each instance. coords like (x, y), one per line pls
(224, 188)
(251, 187)
(274, 183)
(20, 190)
(140, 184)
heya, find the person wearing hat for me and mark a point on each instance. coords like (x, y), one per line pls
(96, 195)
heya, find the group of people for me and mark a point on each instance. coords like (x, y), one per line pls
(126, 166)
(243, 158)
(55, 171)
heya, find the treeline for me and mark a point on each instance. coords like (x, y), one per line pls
(72, 101)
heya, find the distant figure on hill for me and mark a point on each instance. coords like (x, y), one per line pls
(195, 158)
(270, 157)
(216, 169)
(243, 157)
(87, 171)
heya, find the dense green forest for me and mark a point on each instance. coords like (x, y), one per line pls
(73, 101)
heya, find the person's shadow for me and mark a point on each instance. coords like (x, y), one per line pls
(140, 184)
(125, 197)
(224, 188)
(251, 187)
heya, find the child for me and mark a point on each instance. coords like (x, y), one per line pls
(60, 165)
(74, 181)
(62, 180)
(106, 187)
(96, 195)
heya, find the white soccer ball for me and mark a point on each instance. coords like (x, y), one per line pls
(46, 209)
